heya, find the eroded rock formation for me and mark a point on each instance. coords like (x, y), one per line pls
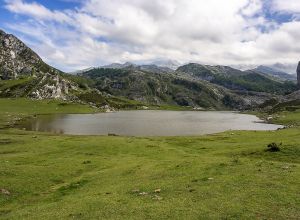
(19, 61)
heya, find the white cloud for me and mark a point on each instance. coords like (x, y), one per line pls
(35, 10)
(231, 32)
(291, 6)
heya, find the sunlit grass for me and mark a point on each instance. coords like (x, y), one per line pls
(222, 176)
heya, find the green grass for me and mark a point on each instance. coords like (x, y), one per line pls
(284, 117)
(171, 108)
(221, 176)
(12, 110)
(288, 118)
(14, 83)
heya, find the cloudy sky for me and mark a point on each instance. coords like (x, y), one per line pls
(76, 34)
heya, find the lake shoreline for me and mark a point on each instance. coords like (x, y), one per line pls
(143, 123)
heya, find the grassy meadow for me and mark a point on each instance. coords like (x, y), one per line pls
(229, 175)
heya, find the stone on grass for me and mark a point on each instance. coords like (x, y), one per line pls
(4, 192)
(157, 190)
(156, 197)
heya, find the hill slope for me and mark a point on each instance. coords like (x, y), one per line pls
(276, 74)
(166, 88)
(23, 73)
(235, 79)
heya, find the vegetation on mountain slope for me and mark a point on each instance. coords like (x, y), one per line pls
(161, 88)
(255, 82)
(24, 74)
(237, 80)
(275, 74)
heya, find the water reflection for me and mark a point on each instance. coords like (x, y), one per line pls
(147, 123)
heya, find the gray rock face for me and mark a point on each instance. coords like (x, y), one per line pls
(16, 58)
(52, 87)
(298, 74)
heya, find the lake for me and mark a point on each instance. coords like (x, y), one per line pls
(147, 123)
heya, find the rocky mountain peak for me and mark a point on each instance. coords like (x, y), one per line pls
(16, 58)
(19, 61)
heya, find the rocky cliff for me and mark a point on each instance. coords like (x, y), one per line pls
(17, 59)
(23, 73)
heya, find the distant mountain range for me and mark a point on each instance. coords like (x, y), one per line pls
(275, 73)
(218, 87)
(164, 67)
(164, 64)
(171, 64)
(24, 74)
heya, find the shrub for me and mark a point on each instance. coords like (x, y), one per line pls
(273, 147)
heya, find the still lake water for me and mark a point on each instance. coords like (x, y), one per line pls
(147, 123)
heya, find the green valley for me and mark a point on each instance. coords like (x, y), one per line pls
(236, 174)
(226, 175)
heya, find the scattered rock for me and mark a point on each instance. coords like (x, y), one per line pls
(198, 108)
(111, 134)
(4, 192)
(210, 178)
(156, 197)
(157, 190)
(135, 191)
(143, 193)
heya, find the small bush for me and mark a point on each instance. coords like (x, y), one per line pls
(273, 147)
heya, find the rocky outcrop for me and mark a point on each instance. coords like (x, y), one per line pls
(298, 74)
(16, 58)
(53, 87)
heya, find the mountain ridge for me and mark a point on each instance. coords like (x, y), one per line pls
(277, 74)
(24, 74)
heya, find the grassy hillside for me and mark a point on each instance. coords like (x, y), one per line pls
(18, 87)
(255, 82)
(222, 176)
(286, 112)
